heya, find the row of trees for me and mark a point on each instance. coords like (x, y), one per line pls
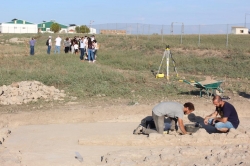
(55, 27)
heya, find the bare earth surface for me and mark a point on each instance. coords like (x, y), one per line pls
(102, 135)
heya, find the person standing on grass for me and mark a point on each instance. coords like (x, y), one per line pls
(228, 116)
(96, 47)
(82, 49)
(32, 43)
(66, 45)
(49, 45)
(86, 45)
(90, 51)
(92, 38)
(72, 46)
(58, 44)
(76, 46)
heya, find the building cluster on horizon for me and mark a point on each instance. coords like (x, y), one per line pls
(22, 26)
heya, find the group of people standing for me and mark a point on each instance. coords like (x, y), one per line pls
(86, 46)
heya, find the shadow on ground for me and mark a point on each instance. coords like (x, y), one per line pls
(193, 92)
(209, 128)
(244, 94)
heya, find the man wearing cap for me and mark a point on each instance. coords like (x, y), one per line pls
(49, 45)
(228, 116)
(170, 109)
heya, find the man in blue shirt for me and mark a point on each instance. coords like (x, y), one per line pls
(228, 116)
(32, 45)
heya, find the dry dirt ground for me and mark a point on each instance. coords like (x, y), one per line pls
(76, 134)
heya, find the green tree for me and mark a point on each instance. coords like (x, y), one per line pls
(55, 27)
(82, 29)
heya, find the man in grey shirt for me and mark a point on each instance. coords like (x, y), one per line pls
(173, 110)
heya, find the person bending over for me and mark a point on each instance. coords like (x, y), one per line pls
(174, 110)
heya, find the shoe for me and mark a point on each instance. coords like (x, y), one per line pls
(138, 130)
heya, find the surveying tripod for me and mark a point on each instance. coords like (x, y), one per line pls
(167, 54)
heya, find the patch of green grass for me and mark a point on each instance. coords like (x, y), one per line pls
(124, 64)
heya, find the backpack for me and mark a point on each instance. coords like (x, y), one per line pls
(47, 42)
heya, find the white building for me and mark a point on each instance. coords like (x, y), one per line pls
(18, 26)
(45, 26)
(239, 30)
(92, 31)
(72, 28)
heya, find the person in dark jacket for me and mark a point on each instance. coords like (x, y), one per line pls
(228, 116)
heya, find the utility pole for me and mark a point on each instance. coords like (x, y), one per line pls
(90, 22)
(246, 19)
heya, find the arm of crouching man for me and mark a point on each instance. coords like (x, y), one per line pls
(181, 125)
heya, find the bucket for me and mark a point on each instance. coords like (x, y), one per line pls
(191, 128)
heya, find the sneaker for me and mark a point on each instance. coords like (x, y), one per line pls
(138, 130)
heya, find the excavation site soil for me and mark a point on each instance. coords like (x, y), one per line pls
(101, 133)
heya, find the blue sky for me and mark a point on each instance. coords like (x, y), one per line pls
(80, 12)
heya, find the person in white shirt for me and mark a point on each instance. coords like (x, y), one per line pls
(76, 47)
(58, 41)
(85, 40)
(96, 47)
(82, 49)
(92, 38)
(49, 45)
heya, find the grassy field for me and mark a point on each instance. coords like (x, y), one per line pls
(124, 65)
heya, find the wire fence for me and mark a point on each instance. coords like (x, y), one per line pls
(137, 29)
(176, 28)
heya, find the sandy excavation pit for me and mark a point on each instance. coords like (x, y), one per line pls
(102, 135)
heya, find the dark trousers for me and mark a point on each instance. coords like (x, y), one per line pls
(82, 53)
(32, 50)
(66, 49)
(48, 50)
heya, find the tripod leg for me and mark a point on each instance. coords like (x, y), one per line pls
(161, 63)
(174, 64)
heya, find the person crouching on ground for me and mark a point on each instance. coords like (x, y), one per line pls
(174, 110)
(228, 116)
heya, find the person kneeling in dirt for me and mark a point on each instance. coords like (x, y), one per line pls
(173, 110)
(228, 116)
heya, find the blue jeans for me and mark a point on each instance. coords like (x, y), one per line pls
(82, 53)
(90, 55)
(220, 125)
(32, 50)
(48, 50)
(57, 49)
